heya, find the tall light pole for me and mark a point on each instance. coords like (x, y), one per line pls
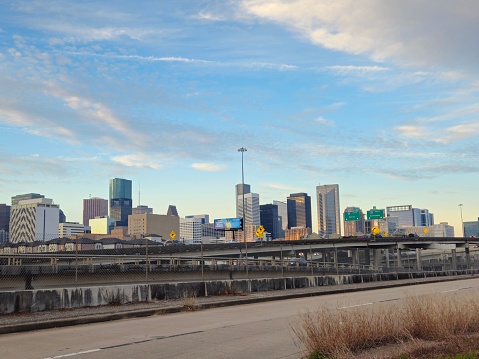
(243, 150)
(462, 222)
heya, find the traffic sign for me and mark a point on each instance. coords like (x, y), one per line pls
(375, 213)
(172, 234)
(259, 231)
(352, 216)
(375, 231)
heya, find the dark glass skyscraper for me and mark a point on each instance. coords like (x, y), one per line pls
(120, 201)
(299, 210)
(270, 220)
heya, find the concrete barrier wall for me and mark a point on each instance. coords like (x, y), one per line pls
(63, 298)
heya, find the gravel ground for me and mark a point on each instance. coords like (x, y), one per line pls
(201, 302)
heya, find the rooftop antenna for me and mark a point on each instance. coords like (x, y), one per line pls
(139, 202)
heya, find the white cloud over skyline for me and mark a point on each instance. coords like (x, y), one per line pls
(330, 91)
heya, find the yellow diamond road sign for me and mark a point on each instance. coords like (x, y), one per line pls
(172, 234)
(375, 230)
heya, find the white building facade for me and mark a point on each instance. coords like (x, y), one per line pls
(68, 229)
(191, 230)
(34, 220)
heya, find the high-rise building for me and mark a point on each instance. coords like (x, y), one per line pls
(149, 224)
(68, 229)
(4, 217)
(22, 197)
(191, 230)
(427, 219)
(471, 228)
(299, 210)
(353, 227)
(34, 220)
(251, 211)
(283, 214)
(407, 215)
(205, 218)
(94, 207)
(120, 201)
(142, 209)
(270, 220)
(172, 211)
(329, 219)
(240, 189)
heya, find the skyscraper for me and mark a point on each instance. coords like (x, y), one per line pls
(251, 211)
(407, 215)
(270, 220)
(120, 201)
(327, 197)
(4, 222)
(34, 219)
(299, 210)
(352, 227)
(240, 189)
(21, 197)
(172, 211)
(94, 207)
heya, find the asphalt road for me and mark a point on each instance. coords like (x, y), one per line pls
(247, 331)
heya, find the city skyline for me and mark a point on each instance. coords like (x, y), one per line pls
(165, 94)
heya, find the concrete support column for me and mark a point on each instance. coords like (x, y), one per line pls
(335, 258)
(386, 253)
(418, 259)
(454, 259)
(398, 257)
(367, 257)
(355, 256)
(377, 258)
(468, 257)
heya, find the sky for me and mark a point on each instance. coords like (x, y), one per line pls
(380, 97)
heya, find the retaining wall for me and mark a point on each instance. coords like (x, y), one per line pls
(63, 298)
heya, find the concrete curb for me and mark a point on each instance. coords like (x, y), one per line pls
(90, 319)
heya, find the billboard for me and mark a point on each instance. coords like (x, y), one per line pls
(227, 224)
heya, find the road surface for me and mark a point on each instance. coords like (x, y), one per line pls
(246, 331)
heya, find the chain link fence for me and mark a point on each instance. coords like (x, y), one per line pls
(62, 262)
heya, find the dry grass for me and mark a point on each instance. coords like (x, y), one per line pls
(190, 303)
(344, 333)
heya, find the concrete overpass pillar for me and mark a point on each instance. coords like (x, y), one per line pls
(335, 258)
(418, 259)
(367, 257)
(377, 258)
(454, 259)
(398, 257)
(355, 256)
(468, 257)
(386, 253)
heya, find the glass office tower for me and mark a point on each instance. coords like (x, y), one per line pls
(120, 201)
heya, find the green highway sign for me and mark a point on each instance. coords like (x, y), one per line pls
(375, 214)
(352, 216)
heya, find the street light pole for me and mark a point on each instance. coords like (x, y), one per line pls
(243, 150)
(462, 222)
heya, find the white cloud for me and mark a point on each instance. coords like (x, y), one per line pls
(438, 32)
(356, 70)
(459, 132)
(139, 160)
(207, 167)
(324, 122)
(411, 131)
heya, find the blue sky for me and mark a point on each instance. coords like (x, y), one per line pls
(380, 97)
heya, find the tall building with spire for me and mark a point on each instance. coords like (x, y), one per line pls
(120, 200)
(329, 217)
